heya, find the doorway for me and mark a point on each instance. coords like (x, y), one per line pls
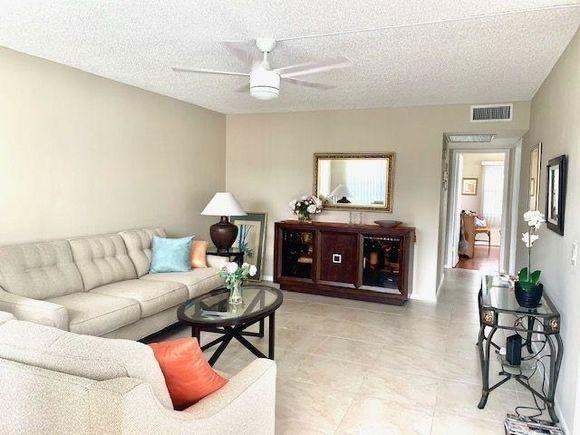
(480, 214)
(480, 206)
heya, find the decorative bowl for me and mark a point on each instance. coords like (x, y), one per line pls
(388, 223)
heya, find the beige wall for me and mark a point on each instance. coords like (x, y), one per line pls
(555, 121)
(80, 154)
(269, 162)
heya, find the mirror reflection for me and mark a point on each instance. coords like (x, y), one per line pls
(361, 181)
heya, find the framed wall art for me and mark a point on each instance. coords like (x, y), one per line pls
(535, 173)
(556, 194)
(251, 238)
(469, 186)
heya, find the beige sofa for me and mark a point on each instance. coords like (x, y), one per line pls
(56, 382)
(98, 285)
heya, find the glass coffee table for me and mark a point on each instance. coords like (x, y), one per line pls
(212, 313)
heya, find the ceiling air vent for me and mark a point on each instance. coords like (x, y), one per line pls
(492, 112)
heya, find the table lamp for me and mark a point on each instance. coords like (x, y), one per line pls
(342, 192)
(224, 233)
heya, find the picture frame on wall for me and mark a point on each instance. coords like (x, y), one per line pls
(252, 238)
(556, 194)
(535, 173)
(469, 186)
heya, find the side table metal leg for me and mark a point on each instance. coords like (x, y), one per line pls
(196, 333)
(530, 335)
(555, 362)
(485, 357)
(271, 335)
(261, 328)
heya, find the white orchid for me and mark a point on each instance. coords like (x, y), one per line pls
(529, 239)
(253, 270)
(292, 205)
(528, 279)
(231, 267)
(311, 209)
(534, 218)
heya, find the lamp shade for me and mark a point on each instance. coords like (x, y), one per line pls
(340, 191)
(223, 204)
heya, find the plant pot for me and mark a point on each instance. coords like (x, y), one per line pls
(530, 298)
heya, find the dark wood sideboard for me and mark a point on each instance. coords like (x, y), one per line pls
(365, 262)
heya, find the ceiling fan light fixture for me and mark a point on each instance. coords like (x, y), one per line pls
(264, 84)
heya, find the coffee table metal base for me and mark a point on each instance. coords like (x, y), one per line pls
(238, 332)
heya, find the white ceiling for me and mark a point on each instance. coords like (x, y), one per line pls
(497, 57)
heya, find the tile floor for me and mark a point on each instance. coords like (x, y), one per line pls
(351, 367)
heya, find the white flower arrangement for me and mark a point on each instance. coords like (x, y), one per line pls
(306, 206)
(527, 278)
(234, 274)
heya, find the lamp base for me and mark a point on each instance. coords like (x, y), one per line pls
(223, 234)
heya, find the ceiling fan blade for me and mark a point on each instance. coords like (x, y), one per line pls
(313, 67)
(208, 71)
(319, 86)
(244, 51)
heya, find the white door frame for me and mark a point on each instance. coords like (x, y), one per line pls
(512, 164)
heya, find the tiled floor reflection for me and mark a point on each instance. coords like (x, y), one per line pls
(362, 368)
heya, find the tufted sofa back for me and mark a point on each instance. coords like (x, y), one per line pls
(102, 260)
(138, 244)
(39, 270)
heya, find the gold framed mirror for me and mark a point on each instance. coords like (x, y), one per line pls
(354, 181)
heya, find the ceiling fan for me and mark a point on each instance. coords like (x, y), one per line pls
(265, 81)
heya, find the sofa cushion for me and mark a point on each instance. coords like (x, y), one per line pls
(198, 281)
(171, 255)
(39, 270)
(81, 355)
(138, 244)
(188, 375)
(96, 314)
(102, 260)
(153, 296)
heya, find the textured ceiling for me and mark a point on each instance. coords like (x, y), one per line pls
(498, 56)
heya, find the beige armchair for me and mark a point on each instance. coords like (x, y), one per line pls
(55, 381)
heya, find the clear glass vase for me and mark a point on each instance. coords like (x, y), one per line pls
(236, 294)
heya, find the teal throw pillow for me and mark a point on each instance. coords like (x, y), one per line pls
(171, 255)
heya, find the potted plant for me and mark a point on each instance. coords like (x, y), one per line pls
(305, 207)
(235, 277)
(528, 289)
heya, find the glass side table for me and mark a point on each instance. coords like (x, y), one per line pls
(498, 309)
(233, 254)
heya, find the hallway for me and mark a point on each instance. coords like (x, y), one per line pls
(485, 259)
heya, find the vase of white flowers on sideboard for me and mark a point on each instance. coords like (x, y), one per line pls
(305, 207)
(235, 277)
(528, 289)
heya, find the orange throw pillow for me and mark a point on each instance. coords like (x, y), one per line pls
(188, 376)
(198, 253)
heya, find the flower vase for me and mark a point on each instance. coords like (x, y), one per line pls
(236, 294)
(304, 217)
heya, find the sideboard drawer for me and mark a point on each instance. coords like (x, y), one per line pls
(338, 257)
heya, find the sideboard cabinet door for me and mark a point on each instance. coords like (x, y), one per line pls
(338, 257)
